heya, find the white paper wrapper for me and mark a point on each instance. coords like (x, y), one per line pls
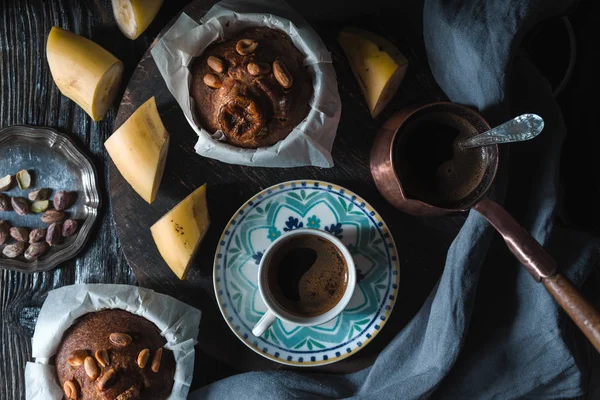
(177, 321)
(311, 141)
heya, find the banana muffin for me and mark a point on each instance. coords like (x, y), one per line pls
(114, 354)
(252, 87)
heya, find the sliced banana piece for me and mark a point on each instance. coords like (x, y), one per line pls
(379, 67)
(134, 16)
(139, 150)
(83, 71)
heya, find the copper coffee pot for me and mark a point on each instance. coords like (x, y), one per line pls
(527, 250)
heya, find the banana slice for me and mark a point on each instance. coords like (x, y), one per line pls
(379, 67)
(139, 150)
(178, 233)
(83, 71)
(134, 16)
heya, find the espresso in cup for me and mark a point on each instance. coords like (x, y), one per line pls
(431, 166)
(307, 276)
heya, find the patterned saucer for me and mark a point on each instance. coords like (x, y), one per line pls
(311, 204)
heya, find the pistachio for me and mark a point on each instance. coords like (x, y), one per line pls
(246, 46)
(35, 251)
(39, 194)
(62, 200)
(40, 206)
(70, 390)
(212, 81)
(105, 380)
(256, 69)
(143, 357)
(120, 339)
(37, 235)
(19, 234)
(53, 234)
(102, 357)
(130, 394)
(215, 63)
(69, 227)
(23, 179)
(14, 250)
(4, 202)
(20, 205)
(91, 369)
(77, 358)
(52, 216)
(4, 231)
(282, 75)
(5, 182)
(156, 360)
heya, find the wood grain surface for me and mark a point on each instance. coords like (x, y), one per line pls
(28, 96)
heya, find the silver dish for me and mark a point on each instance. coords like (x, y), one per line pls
(54, 162)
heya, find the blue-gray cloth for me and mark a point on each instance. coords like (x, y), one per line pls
(487, 330)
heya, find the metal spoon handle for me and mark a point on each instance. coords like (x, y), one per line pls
(521, 128)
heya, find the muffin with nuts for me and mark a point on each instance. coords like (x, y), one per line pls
(113, 354)
(252, 87)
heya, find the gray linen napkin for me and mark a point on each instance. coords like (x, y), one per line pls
(487, 330)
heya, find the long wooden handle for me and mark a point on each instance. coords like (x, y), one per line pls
(543, 269)
(581, 311)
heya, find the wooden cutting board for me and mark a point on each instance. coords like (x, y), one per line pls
(422, 243)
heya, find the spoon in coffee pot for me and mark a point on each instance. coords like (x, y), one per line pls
(521, 128)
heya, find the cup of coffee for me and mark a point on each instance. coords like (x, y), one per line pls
(306, 277)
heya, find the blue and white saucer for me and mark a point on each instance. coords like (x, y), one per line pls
(309, 204)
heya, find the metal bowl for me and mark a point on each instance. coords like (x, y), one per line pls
(54, 162)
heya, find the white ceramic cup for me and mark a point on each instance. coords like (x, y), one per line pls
(275, 311)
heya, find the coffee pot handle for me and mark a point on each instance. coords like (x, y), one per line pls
(543, 269)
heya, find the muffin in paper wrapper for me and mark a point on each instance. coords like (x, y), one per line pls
(310, 142)
(177, 322)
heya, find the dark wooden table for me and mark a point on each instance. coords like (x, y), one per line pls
(29, 96)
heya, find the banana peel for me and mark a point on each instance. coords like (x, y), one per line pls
(134, 16)
(378, 65)
(83, 71)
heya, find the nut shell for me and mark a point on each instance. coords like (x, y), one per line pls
(106, 379)
(69, 227)
(77, 358)
(52, 216)
(120, 339)
(35, 251)
(14, 250)
(4, 231)
(20, 234)
(156, 359)
(39, 194)
(102, 357)
(53, 234)
(91, 369)
(70, 389)
(212, 81)
(143, 358)
(37, 235)
(246, 46)
(4, 202)
(216, 64)
(62, 200)
(20, 205)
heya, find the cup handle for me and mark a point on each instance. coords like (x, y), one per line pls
(264, 323)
